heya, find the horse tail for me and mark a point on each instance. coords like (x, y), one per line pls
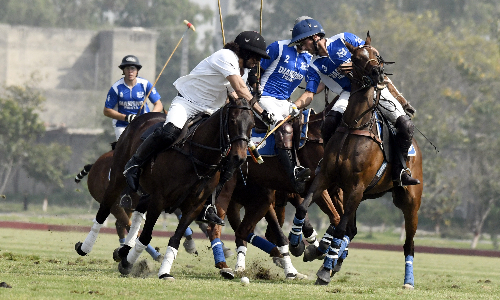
(83, 173)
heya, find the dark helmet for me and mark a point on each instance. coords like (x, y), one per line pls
(252, 41)
(130, 60)
(305, 29)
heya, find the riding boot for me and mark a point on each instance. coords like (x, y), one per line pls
(162, 138)
(209, 214)
(404, 137)
(332, 121)
(297, 174)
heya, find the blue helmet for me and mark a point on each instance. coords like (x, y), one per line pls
(305, 29)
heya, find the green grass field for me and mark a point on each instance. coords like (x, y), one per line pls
(44, 265)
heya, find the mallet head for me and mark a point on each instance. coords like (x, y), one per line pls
(189, 25)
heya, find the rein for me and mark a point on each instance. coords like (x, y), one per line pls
(225, 141)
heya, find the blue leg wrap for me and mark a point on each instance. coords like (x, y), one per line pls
(218, 251)
(154, 254)
(188, 232)
(295, 236)
(122, 241)
(344, 245)
(409, 270)
(333, 254)
(260, 243)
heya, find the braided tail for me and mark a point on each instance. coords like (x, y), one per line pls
(83, 173)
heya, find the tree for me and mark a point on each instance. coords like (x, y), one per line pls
(21, 127)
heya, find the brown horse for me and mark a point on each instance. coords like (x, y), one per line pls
(353, 157)
(97, 182)
(182, 177)
(253, 189)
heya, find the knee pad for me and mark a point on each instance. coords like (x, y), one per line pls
(283, 136)
(404, 131)
(332, 121)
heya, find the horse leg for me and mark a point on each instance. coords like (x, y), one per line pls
(315, 191)
(188, 244)
(214, 231)
(337, 237)
(102, 214)
(252, 216)
(404, 200)
(175, 241)
(329, 206)
(233, 217)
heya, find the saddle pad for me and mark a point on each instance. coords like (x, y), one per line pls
(267, 148)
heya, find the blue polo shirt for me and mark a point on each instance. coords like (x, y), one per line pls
(128, 100)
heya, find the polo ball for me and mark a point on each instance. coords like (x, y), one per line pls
(245, 280)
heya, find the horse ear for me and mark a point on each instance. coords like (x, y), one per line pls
(368, 39)
(349, 46)
(231, 98)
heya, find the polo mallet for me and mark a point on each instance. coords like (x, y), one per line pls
(274, 129)
(189, 26)
(222, 27)
(261, 7)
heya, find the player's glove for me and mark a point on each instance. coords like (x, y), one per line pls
(294, 111)
(129, 118)
(268, 118)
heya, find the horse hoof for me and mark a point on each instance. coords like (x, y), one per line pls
(78, 248)
(227, 273)
(297, 276)
(278, 262)
(159, 258)
(190, 247)
(408, 286)
(116, 255)
(337, 267)
(324, 274)
(297, 250)
(311, 253)
(321, 282)
(124, 267)
(227, 252)
(166, 277)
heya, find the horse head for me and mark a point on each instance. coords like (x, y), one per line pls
(368, 65)
(239, 122)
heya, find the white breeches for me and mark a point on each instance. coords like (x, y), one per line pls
(388, 105)
(279, 108)
(119, 131)
(181, 110)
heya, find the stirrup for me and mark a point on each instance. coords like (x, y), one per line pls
(209, 215)
(405, 179)
(301, 173)
(126, 201)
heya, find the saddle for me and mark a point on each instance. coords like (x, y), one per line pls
(299, 135)
(188, 129)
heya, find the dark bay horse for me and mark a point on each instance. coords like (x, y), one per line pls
(353, 157)
(253, 188)
(182, 177)
(97, 182)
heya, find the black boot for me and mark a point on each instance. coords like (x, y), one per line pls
(332, 121)
(162, 138)
(404, 137)
(209, 215)
(297, 174)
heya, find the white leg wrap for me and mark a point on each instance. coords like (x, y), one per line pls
(168, 261)
(135, 252)
(288, 266)
(240, 259)
(283, 249)
(312, 239)
(137, 218)
(91, 237)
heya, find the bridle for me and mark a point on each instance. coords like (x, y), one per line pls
(367, 81)
(225, 140)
